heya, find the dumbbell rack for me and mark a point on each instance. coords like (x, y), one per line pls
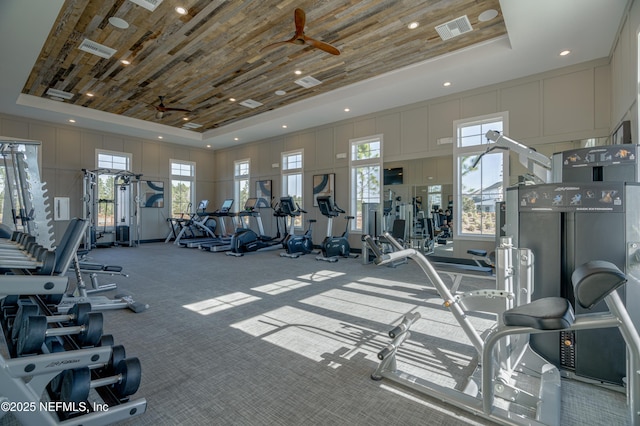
(16, 387)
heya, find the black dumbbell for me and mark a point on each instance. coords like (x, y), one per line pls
(34, 330)
(76, 315)
(117, 354)
(77, 383)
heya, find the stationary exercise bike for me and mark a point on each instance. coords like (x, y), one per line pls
(295, 245)
(334, 247)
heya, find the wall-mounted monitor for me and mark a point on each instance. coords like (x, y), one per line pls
(393, 176)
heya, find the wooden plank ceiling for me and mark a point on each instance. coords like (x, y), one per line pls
(201, 60)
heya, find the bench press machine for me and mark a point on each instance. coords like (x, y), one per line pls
(494, 393)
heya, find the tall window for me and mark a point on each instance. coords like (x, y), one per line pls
(183, 188)
(434, 196)
(365, 164)
(292, 172)
(479, 183)
(241, 170)
(110, 163)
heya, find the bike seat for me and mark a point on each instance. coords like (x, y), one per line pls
(312, 221)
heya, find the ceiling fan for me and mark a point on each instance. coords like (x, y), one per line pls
(299, 37)
(161, 109)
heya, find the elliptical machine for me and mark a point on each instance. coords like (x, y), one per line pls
(295, 245)
(246, 240)
(333, 247)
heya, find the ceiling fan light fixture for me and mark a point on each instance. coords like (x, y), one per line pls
(159, 115)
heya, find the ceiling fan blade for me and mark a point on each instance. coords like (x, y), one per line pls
(276, 44)
(299, 18)
(177, 109)
(322, 46)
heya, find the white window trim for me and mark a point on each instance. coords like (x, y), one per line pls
(127, 155)
(297, 171)
(352, 208)
(237, 178)
(470, 150)
(192, 179)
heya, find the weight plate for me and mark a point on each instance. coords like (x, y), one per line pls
(32, 334)
(117, 354)
(106, 340)
(56, 383)
(80, 312)
(93, 330)
(76, 385)
(131, 371)
(24, 311)
(48, 263)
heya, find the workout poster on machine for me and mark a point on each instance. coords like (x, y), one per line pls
(591, 196)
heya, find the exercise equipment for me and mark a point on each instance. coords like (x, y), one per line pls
(246, 240)
(25, 204)
(333, 247)
(200, 227)
(505, 351)
(76, 384)
(110, 204)
(296, 245)
(34, 330)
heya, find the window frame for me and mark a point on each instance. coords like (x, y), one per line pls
(238, 179)
(470, 150)
(354, 165)
(287, 172)
(191, 179)
(109, 213)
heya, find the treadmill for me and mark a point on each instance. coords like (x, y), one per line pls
(223, 240)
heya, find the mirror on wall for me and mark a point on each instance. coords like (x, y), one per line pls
(411, 189)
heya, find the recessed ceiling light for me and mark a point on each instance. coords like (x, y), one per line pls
(119, 23)
(347, 110)
(232, 99)
(181, 10)
(280, 92)
(413, 25)
(284, 126)
(125, 62)
(160, 137)
(208, 146)
(297, 72)
(446, 84)
(71, 120)
(565, 52)
(91, 95)
(236, 139)
(487, 15)
(185, 118)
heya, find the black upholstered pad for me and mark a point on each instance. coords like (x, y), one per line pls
(594, 280)
(549, 313)
(477, 252)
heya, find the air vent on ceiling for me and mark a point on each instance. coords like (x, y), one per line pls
(98, 49)
(307, 82)
(61, 95)
(191, 126)
(454, 28)
(147, 4)
(250, 103)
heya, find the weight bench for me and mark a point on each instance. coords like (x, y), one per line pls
(69, 256)
(93, 270)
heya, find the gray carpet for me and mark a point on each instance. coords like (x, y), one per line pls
(265, 340)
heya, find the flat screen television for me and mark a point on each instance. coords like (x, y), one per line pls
(393, 176)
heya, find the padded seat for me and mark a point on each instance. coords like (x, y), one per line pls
(476, 252)
(549, 313)
(594, 280)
